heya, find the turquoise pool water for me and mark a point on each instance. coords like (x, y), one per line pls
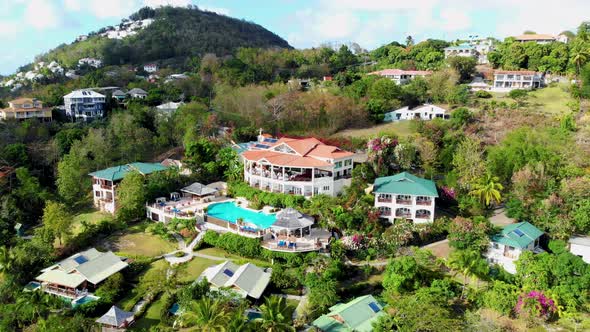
(85, 299)
(229, 211)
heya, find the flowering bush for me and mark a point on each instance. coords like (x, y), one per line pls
(354, 242)
(449, 192)
(380, 152)
(535, 304)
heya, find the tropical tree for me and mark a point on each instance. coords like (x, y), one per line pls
(6, 258)
(488, 190)
(206, 314)
(275, 316)
(30, 306)
(579, 56)
(132, 197)
(469, 263)
(58, 220)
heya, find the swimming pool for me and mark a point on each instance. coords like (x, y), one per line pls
(83, 300)
(229, 211)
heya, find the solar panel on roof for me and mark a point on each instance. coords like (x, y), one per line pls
(374, 307)
(228, 273)
(518, 232)
(80, 260)
(271, 140)
(261, 146)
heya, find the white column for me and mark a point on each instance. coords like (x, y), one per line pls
(313, 182)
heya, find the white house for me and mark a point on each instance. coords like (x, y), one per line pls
(401, 76)
(541, 38)
(580, 246)
(246, 280)
(137, 93)
(477, 49)
(84, 104)
(424, 112)
(507, 80)
(405, 196)
(478, 84)
(92, 62)
(464, 50)
(150, 67)
(169, 107)
(305, 167)
(506, 246)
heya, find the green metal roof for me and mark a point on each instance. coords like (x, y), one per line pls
(356, 315)
(405, 184)
(118, 172)
(518, 235)
(463, 46)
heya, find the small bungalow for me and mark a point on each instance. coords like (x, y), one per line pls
(116, 320)
(169, 107)
(357, 315)
(119, 95)
(424, 112)
(246, 280)
(138, 93)
(506, 246)
(73, 276)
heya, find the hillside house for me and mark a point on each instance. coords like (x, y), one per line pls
(92, 62)
(74, 276)
(105, 182)
(169, 107)
(424, 112)
(508, 80)
(304, 167)
(405, 196)
(506, 246)
(137, 93)
(580, 246)
(119, 95)
(401, 76)
(25, 108)
(84, 104)
(150, 68)
(357, 315)
(541, 38)
(116, 320)
(246, 280)
(464, 50)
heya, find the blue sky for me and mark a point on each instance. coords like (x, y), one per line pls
(31, 27)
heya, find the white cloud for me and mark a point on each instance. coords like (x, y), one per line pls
(8, 29)
(218, 10)
(72, 5)
(160, 3)
(41, 14)
(454, 19)
(111, 8)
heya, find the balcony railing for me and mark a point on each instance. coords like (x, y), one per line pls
(403, 201)
(427, 203)
(348, 176)
(386, 213)
(403, 215)
(422, 216)
(384, 200)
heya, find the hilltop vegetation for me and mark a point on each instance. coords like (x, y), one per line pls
(175, 33)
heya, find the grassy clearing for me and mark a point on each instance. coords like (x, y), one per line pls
(235, 258)
(151, 316)
(136, 242)
(400, 129)
(551, 100)
(91, 217)
(192, 270)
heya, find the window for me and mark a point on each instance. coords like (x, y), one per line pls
(518, 232)
(338, 164)
(80, 259)
(348, 162)
(97, 193)
(326, 188)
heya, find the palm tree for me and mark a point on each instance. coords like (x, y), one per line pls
(469, 263)
(31, 306)
(579, 56)
(488, 190)
(6, 259)
(206, 315)
(275, 316)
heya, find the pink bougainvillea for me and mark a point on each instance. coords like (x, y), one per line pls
(535, 304)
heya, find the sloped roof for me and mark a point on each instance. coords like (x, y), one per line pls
(463, 46)
(356, 315)
(137, 91)
(115, 317)
(198, 189)
(518, 235)
(104, 266)
(580, 240)
(388, 72)
(71, 280)
(119, 93)
(534, 36)
(169, 105)
(249, 278)
(118, 172)
(84, 93)
(405, 184)
(290, 218)
(521, 72)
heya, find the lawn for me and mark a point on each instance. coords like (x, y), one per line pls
(151, 316)
(551, 100)
(91, 217)
(400, 129)
(192, 270)
(134, 241)
(235, 258)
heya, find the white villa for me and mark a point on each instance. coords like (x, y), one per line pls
(137, 93)
(305, 167)
(541, 38)
(84, 104)
(424, 112)
(150, 67)
(246, 280)
(169, 107)
(405, 196)
(506, 246)
(187, 205)
(401, 76)
(507, 80)
(580, 246)
(105, 182)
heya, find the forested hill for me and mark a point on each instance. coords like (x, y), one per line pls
(175, 33)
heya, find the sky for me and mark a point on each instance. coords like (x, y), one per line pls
(31, 27)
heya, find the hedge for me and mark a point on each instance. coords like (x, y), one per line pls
(261, 198)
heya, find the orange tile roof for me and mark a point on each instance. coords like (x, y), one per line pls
(522, 72)
(283, 159)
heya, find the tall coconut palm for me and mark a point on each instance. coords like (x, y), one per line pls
(579, 56)
(31, 306)
(469, 263)
(488, 190)
(275, 316)
(205, 315)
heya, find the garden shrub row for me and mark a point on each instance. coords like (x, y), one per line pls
(259, 198)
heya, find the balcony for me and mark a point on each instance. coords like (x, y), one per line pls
(403, 201)
(385, 213)
(348, 176)
(424, 203)
(422, 215)
(403, 215)
(384, 200)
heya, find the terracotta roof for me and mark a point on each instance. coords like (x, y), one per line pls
(400, 72)
(522, 72)
(535, 36)
(23, 100)
(283, 159)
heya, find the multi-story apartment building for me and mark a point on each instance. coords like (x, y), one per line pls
(305, 167)
(506, 246)
(401, 76)
(84, 104)
(405, 196)
(105, 182)
(507, 80)
(25, 108)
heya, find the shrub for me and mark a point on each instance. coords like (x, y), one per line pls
(179, 254)
(234, 243)
(111, 288)
(483, 94)
(259, 198)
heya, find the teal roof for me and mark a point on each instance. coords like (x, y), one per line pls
(118, 172)
(357, 315)
(518, 235)
(405, 184)
(463, 46)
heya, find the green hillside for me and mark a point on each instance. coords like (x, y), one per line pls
(175, 33)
